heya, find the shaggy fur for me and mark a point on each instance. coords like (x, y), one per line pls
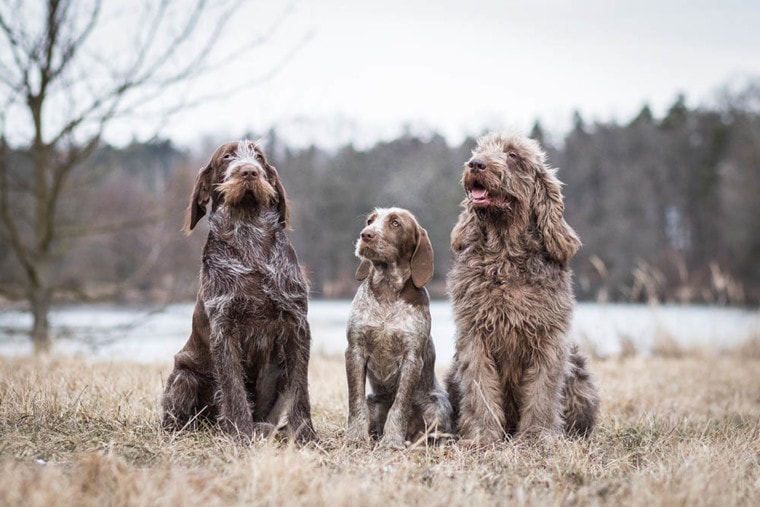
(246, 361)
(514, 372)
(389, 339)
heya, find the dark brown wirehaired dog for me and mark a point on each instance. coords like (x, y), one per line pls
(247, 358)
(514, 371)
(389, 339)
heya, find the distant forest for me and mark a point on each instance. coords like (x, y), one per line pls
(667, 208)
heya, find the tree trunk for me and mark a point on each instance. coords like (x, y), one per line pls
(39, 299)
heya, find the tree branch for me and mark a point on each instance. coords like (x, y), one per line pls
(20, 250)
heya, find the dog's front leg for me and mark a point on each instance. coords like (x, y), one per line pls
(394, 433)
(357, 427)
(481, 413)
(235, 414)
(540, 415)
(297, 364)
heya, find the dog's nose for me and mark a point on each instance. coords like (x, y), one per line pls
(368, 235)
(476, 165)
(249, 171)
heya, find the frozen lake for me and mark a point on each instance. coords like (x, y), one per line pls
(110, 332)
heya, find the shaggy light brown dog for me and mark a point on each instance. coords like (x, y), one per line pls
(514, 371)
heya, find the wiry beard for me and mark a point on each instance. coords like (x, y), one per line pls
(376, 253)
(247, 193)
(511, 216)
(369, 253)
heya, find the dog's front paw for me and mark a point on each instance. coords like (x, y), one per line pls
(357, 433)
(263, 430)
(475, 438)
(305, 433)
(242, 431)
(479, 440)
(392, 442)
(357, 429)
(537, 435)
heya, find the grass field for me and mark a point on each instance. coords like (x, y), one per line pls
(676, 428)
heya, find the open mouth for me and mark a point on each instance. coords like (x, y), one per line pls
(479, 194)
(481, 198)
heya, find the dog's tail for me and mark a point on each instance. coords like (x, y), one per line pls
(581, 397)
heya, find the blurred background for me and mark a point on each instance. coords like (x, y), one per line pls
(651, 111)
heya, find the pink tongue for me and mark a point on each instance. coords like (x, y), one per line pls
(478, 193)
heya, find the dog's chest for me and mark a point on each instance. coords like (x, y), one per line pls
(507, 307)
(386, 331)
(484, 279)
(255, 271)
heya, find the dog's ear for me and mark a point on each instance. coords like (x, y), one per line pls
(560, 239)
(282, 198)
(422, 259)
(199, 198)
(362, 272)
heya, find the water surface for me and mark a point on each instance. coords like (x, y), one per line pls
(110, 332)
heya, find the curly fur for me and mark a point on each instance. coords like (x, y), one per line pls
(514, 371)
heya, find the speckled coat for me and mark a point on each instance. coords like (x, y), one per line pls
(389, 342)
(246, 361)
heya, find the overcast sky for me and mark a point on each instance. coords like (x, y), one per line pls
(367, 68)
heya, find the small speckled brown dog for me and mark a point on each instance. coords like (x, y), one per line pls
(389, 339)
(247, 358)
(514, 371)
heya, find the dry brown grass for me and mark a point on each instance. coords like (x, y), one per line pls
(679, 430)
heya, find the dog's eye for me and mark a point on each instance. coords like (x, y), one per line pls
(370, 220)
(395, 223)
(512, 155)
(259, 157)
(227, 156)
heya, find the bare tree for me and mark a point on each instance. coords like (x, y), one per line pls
(70, 71)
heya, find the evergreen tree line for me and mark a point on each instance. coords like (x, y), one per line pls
(667, 208)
